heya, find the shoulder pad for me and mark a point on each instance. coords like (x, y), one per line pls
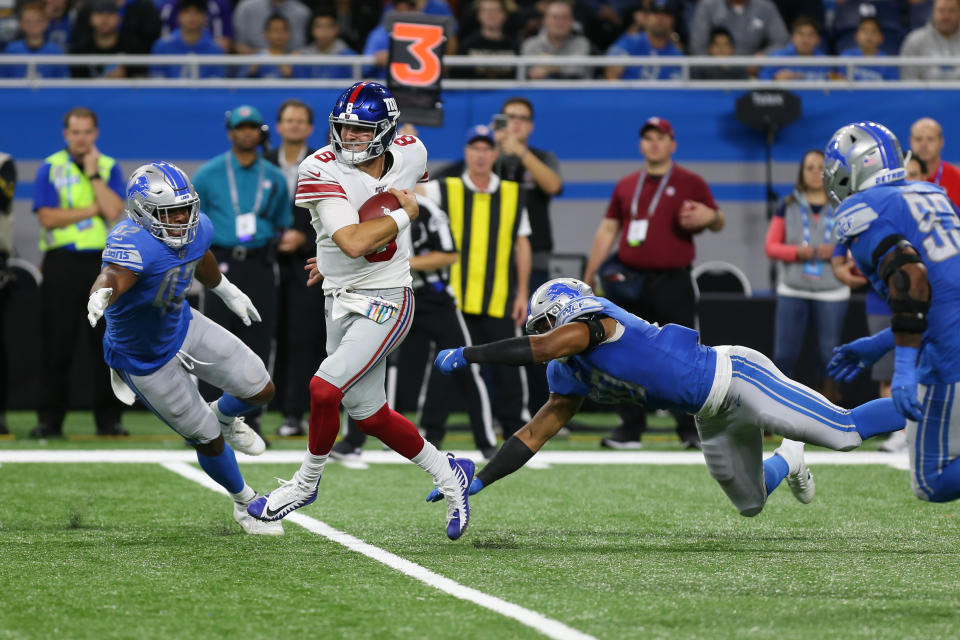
(579, 307)
(854, 219)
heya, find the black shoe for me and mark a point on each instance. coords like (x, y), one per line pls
(43, 430)
(291, 426)
(345, 452)
(613, 443)
(115, 429)
(691, 441)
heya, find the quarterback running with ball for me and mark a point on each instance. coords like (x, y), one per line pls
(369, 302)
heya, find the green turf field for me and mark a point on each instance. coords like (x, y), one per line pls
(103, 550)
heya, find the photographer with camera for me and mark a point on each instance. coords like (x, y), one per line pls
(246, 199)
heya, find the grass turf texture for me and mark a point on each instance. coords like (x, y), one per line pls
(127, 550)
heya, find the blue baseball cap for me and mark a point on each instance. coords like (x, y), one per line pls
(244, 113)
(480, 132)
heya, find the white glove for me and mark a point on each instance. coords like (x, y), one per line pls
(97, 304)
(237, 301)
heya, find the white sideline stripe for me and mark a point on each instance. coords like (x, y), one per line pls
(536, 621)
(895, 460)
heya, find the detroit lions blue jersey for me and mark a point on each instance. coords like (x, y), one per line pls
(147, 324)
(921, 213)
(663, 368)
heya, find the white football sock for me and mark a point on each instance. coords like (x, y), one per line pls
(435, 463)
(310, 469)
(246, 495)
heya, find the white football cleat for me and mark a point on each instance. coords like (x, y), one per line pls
(240, 436)
(253, 526)
(799, 478)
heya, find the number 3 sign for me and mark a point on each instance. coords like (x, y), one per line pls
(415, 70)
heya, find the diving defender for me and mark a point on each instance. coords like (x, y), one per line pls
(596, 349)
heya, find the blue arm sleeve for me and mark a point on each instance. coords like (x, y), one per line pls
(116, 181)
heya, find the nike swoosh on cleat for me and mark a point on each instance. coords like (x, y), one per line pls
(271, 513)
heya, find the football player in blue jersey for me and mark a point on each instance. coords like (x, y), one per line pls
(596, 349)
(154, 342)
(905, 238)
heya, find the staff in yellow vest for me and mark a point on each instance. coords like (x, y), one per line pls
(491, 281)
(77, 196)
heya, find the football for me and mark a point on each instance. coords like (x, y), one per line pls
(378, 205)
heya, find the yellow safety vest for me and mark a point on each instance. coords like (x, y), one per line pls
(484, 226)
(75, 191)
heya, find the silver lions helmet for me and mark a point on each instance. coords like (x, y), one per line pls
(859, 156)
(157, 191)
(547, 301)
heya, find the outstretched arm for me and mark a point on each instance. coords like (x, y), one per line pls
(568, 340)
(208, 273)
(112, 282)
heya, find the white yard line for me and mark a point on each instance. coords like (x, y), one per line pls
(542, 460)
(538, 622)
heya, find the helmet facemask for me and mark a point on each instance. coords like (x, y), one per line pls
(357, 152)
(549, 299)
(158, 191)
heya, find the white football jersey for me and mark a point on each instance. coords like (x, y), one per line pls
(324, 184)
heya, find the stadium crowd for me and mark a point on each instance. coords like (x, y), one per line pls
(669, 28)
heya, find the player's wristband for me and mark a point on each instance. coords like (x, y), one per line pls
(401, 218)
(512, 455)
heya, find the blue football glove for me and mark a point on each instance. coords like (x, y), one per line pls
(449, 360)
(850, 359)
(475, 487)
(903, 387)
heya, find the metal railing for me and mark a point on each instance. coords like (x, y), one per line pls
(192, 65)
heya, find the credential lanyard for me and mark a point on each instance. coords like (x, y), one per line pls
(232, 183)
(828, 223)
(936, 179)
(656, 196)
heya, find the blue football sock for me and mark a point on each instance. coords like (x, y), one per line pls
(231, 406)
(876, 417)
(775, 469)
(223, 469)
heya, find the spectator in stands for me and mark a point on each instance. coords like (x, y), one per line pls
(804, 42)
(326, 42)
(301, 329)
(801, 239)
(756, 25)
(657, 40)
(276, 31)
(604, 21)
(219, 16)
(246, 199)
(355, 19)
(192, 37)
(378, 41)
(491, 281)
(78, 196)
(139, 25)
(926, 143)
(104, 39)
(658, 209)
(33, 25)
(869, 38)
(489, 40)
(557, 38)
(61, 17)
(721, 46)
(250, 18)
(939, 38)
(8, 185)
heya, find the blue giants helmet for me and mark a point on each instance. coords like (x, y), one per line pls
(367, 104)
(859, 156)
(153, 192)
(549, 299)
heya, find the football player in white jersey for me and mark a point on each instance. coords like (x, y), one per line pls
(369, 302)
